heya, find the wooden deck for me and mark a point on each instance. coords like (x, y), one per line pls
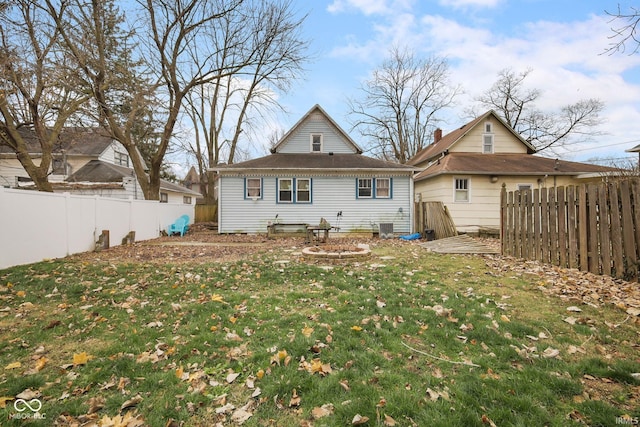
(461, 244)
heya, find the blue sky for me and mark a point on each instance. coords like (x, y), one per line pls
(561, 41)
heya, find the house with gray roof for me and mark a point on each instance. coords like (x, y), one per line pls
(466, 169)
(88, 162)
(315, 171)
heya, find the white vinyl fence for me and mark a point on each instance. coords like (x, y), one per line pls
(36, 225)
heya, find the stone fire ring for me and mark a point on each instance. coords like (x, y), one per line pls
(360, 251)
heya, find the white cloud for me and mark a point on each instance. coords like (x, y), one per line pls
(459, 4)
(370, 7)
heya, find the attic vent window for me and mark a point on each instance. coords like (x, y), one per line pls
(316, 143)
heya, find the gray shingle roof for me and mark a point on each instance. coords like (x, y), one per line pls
(315, 161)
(507, 164)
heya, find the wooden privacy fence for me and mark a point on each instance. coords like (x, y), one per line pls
(593, 227)
(206, 213)
(434, 216)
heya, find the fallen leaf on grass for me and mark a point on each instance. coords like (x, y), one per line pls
(280, 357)
(14, 365)
(487, 420)
(241, 415)
(126, 420)
(356, 328)
(359, 420)
(81, 358)
(550, 353)
(232, 377)
(295, 399)
(307, 331)
(131, 403)
(322, 411)
(388, 421)
(4, 400)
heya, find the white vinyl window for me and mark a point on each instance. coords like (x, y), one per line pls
(365, 187)
(461, 190)
(285, 190)
(383, 188)
(121, 159)
(487, 144)
(303, 190)
(522, 187)
(253, 188)
(316, 143)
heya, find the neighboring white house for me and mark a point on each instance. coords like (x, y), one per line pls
(315, 171)
(466, 169)
(87, 162)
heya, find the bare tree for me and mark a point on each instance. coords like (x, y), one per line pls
(401, 103)
(233, 106)
(625, 30)
(34, 93)
(509, 98)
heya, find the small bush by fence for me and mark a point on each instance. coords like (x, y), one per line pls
(593, 227)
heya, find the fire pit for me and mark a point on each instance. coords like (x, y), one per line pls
(337, 252)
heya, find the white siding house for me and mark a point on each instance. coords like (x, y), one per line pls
(315, 171)
(466, 169)
(87, 162)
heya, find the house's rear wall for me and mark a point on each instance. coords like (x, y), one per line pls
(329, 196)
(483, 208)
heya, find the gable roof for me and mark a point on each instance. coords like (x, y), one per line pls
(99, 171)
(316, 162)
(506, 164)
(73, 141)
(316, 108)
(450, 139)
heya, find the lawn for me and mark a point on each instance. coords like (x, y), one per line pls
(265, 337)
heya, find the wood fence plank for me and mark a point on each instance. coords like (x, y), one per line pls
(562, 227)
(635, 204)
(592, 206)
(526, 245)
(616, 231)
(583, 227)
(536, 224)
(628, 237)
(544, 223)
(572, 229)
(603, 221)
(503, 216)
(553, 227)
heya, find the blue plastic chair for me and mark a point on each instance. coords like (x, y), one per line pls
(181, 225)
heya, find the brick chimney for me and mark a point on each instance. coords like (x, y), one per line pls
(437, 135)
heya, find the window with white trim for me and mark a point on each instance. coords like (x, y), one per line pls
(316, 143)
(164, 198)
(253, 188)
(365, 187)
(186, 200)
(383, 188)
(461, 189)
(522, 187)
(488, 127)
(285, 190)
(487, 144)
(303, 190)
(121, 159)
